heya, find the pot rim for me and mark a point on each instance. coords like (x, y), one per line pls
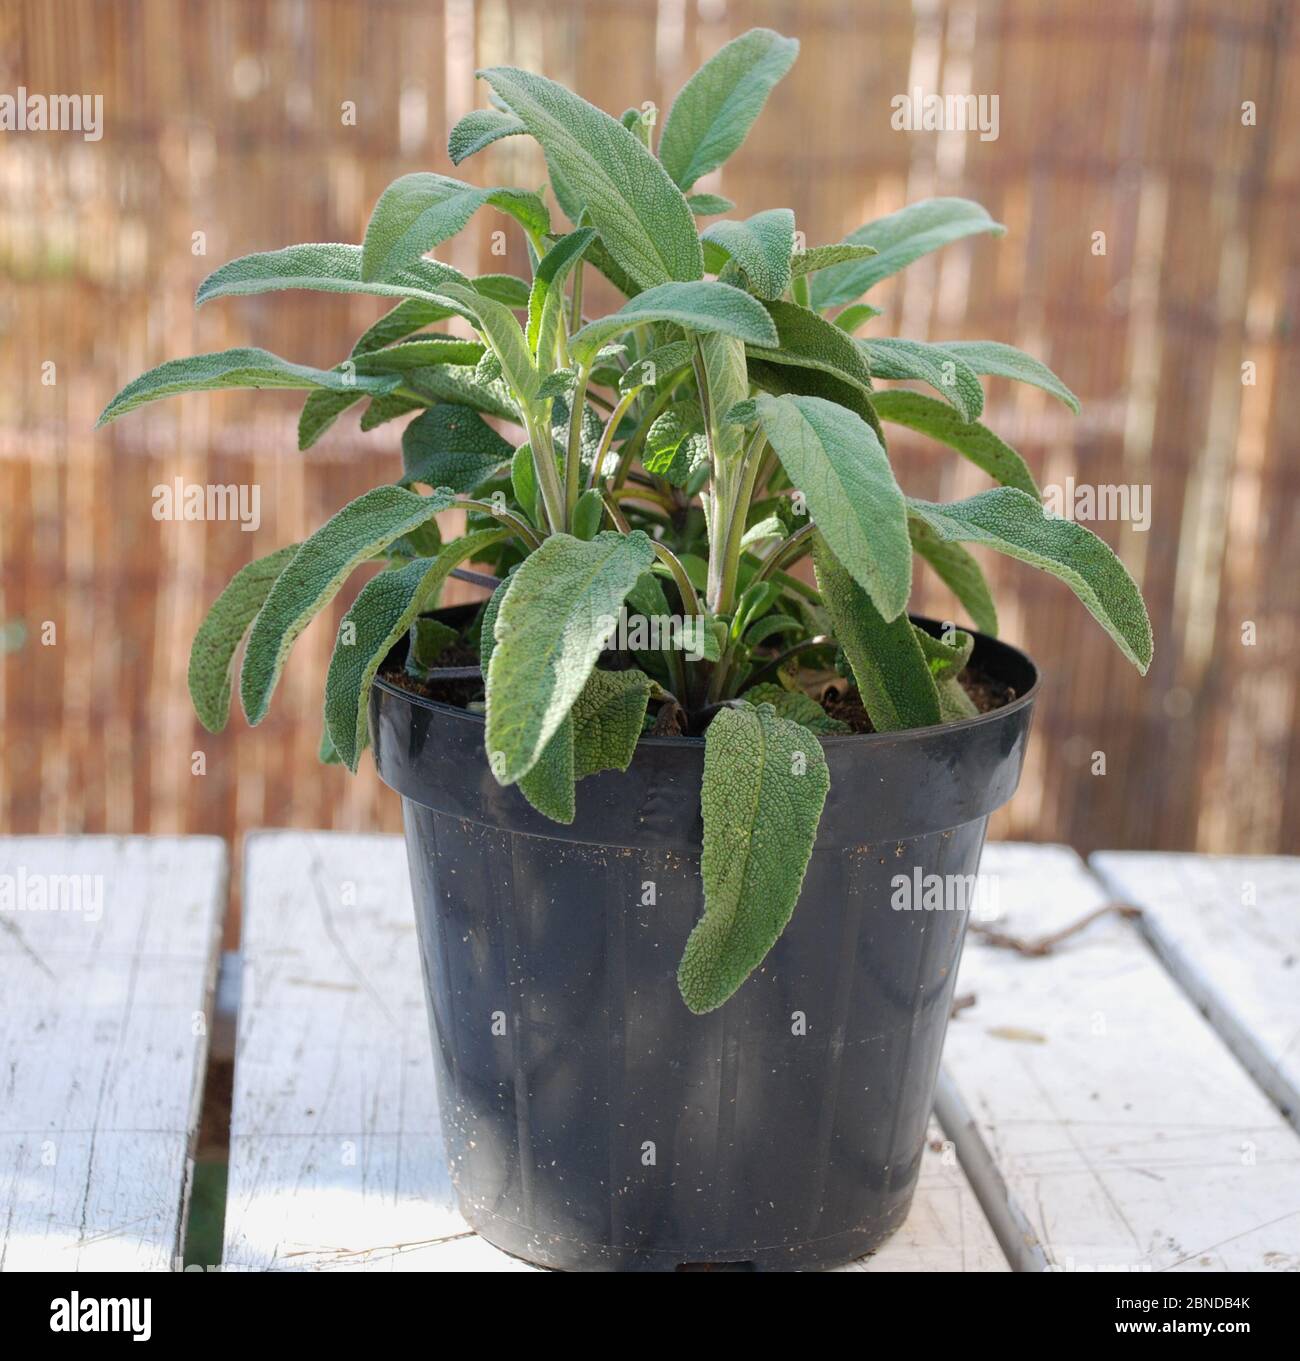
(1003, 712)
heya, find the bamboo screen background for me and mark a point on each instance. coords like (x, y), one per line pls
(223, 117)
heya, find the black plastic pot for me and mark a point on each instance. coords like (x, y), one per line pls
(593, 1122)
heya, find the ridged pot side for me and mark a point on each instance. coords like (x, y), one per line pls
(591, 1121)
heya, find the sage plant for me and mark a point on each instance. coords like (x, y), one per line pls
(674, 459)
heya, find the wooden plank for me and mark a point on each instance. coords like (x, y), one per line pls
(1121, 1129)
(336, 1160)
(105, 1009)
(1228, 929)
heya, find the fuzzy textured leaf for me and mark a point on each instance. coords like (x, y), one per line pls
(1016, 524)
(894, 680)
(797, 707)
(970, 439)
(835, 459)
(421, 210)
(1005, 361)
(949, 375)
(384, 610)
(899, 239)
(223, 628)
(451, 446)
(716, 108)
(324, 267)
(640, 213)
(546, 300)
(607, 720)
(765, 784)
(561, 607)
(480, 129)
(249, 368)
(706, 307)
(807, 341)
(962, 575)
(314, 575)
(761, 247)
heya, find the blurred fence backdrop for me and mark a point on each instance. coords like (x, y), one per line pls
(225, 131)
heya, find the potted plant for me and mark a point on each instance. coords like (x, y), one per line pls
(658, 748)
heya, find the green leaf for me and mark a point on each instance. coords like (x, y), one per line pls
(546, 301)
(549, 785)
(234, 369)
(451, 446)
(723, 381)
(639, 212)
(523, 481)
(835, 459)
(899, 239)
(854, 315)
(561, 607)
(765, 783)
(761, 247)
(1005, 361)
(384, 409)
(971, 439)
(717, 107)
(410, 315)
(823, 257)
(789, 380)
(322, 409)
(385, 609)
(675, 445)
(797, 707)
(658, 367)
(708, 205)
(313, 576)
(422, 353)
(419, 211)
(706, 307)
(946, 661)
(324, 268)
(1016, 524)
(588, 513)
(893, 677)
(960, 573)
(479, 129)
(950, 376)
(221, 632)
(460, 384)
(430, 638)
(807, 341)
(607, 720)
(509, 289)
(497, 324)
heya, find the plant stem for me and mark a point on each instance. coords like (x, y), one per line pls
(690, 601)
(573, 460)
(733, 528)
(607, 435)
(789, 551)
(548, 477)
(819, 640)
(511, 521)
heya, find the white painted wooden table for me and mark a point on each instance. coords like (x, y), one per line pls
(1098, 1117)
(1128, 1100)
(108, 956)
